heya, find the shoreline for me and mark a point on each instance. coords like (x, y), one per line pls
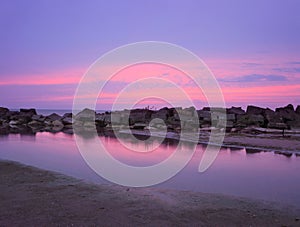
(31, 196)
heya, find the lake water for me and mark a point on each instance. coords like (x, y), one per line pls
(262, 175)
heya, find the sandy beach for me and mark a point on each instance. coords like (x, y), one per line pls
(35, 197)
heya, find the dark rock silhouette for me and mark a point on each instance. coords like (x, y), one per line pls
(234, 119)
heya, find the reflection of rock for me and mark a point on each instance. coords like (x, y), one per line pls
(287, 154)
(252, 151)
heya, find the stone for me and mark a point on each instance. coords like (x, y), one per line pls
(88, 124)
(86, 115)
(3, 111)
(11, 123)
(57, 124)
(277, 125)
(288, 107)
(236, 110)
(161, 114)
(298, 109)
(53, 117)
(287, 113)
(250, 119)
(21, 119)
(67, 120)
(69, 115)
(39, 118)
(28, 112)
(140, 116)
(35, 124)
(254, 110)
(230, 117)
(204, 115)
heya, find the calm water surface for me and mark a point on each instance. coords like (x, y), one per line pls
(262, 175)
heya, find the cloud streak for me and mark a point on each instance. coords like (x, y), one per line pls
(255, 78)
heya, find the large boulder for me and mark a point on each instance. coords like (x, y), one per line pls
(204, 115)
(28, 112)
(85, 115)
(236, 110)
(20, 119)
(287, 113)
(298, 110)
(289, 107)
(69, 115)
(39, 118)
(163, 114)
(255, 110)
(139, 116)
(53, 117)
(250, 120)
(35, 124)
(67, 121)
(3, 111)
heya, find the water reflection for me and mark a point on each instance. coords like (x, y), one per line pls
(236, 171)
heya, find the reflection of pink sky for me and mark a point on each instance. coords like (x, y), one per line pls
(267, 93)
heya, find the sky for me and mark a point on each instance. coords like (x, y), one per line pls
(251, 47)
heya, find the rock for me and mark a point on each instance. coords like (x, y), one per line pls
(57, 124)
(277, 125)
(229, 124)
(250, 119)
(89, 124)
(28, 112)
(254, 110)
(139, 116)
(101, 121)
(3, 111)
(68, 131)
(21, 118)
(287, 113)
(86, 115)
(69, 115)
(11, 123)
(298, 109)
(118, 117)
(214, 109)
(161, 114)
(39, 118)
(139, 126)
(288, 107)
(11, 114)
(236, 110)
(230, 117)
(35, 124)
(53, 117)
(204, 115)
(67, 120)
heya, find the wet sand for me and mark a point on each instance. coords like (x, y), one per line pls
(35, 197)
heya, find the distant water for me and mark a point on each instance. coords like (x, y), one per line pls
(61, 112)
(240, 172)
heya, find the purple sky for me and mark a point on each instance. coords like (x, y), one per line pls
(46, 46)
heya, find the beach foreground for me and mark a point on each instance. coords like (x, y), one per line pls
(30, 196)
